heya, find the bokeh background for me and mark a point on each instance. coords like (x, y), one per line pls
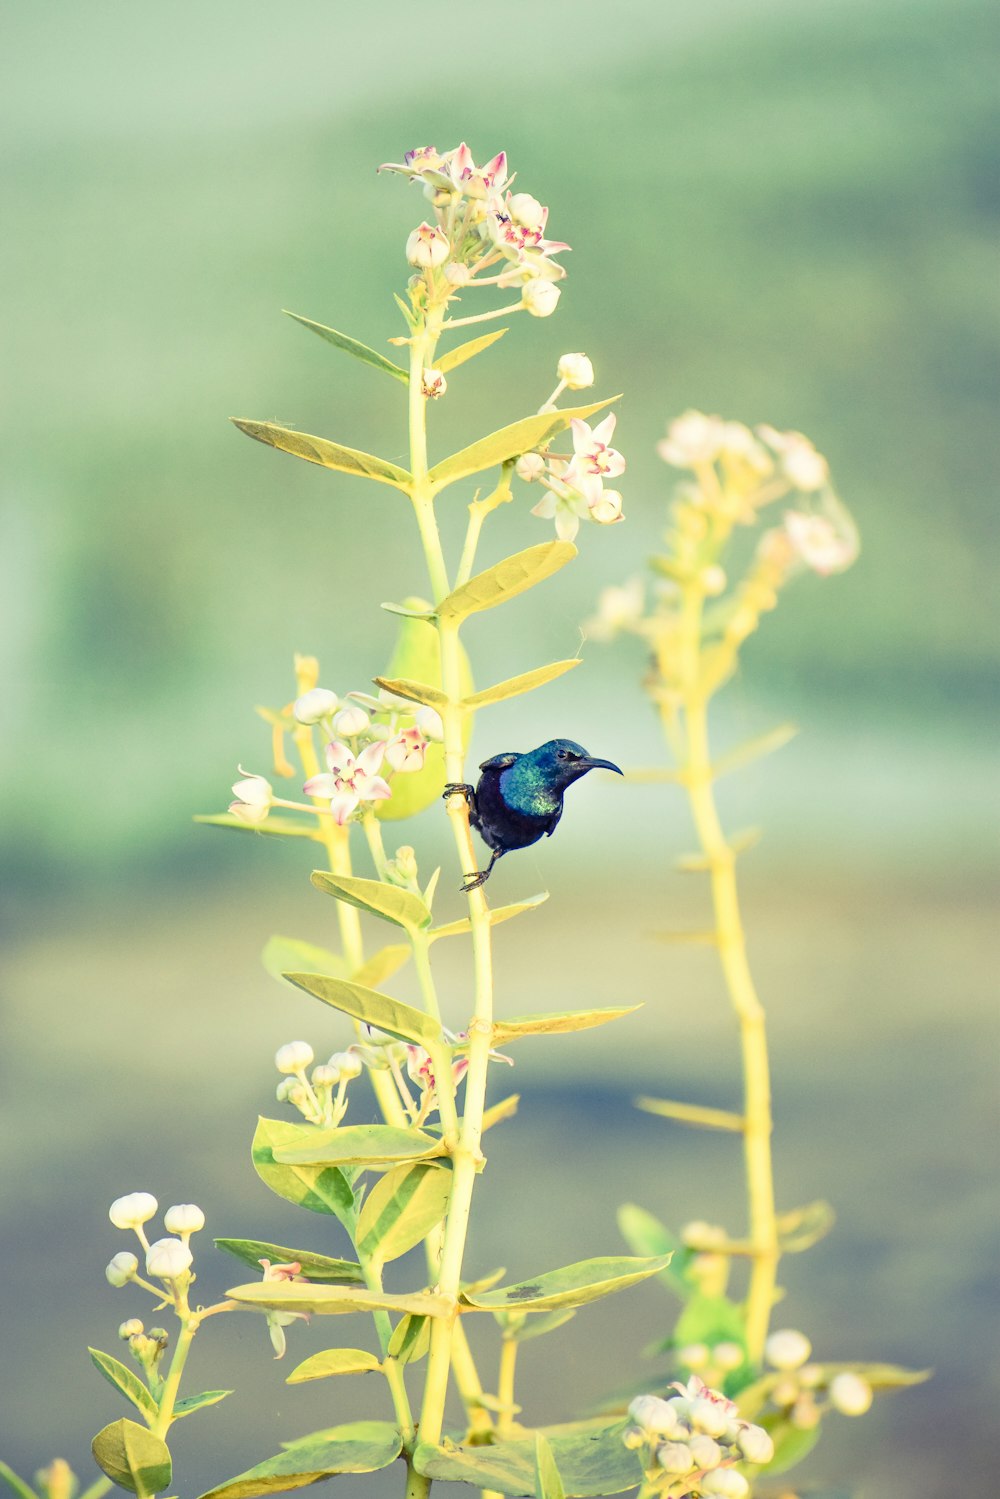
(781, 210)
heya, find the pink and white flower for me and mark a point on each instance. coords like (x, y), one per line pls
(800, 463)
(406, 751)
(427, 246)
(472, 181)
(591, 447)
(568, 497)
(350, 781)
(278, 1321)
(607, 508)
(691, 439)
(254, 796)
(821, 542)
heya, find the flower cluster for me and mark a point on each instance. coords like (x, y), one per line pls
(574, 483)
(169, 1259)
(691, 1442)
(801, 1392)
(481, 226)
(320, 1097)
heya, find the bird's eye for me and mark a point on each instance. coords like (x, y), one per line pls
(562, 754)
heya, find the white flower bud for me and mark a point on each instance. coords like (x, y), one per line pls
(805, 1413)
(132, 1211)
(713, 580)
(529, 467)
(121, 1269)
(168, 1258)
(347, 1063)
(787, 1349)
(428, 721)
(539, 297)
(606, 508)
(724, 1483)
(850, 1394)
(575, 371)
(785, 1393)
(657, 1417)
(184, 1218)
(526, 210)
(324, 1076)
(298, 1097)
(755, 1444)
(727, 1356)
(634, 1437)
(433, 384)
(695, 1355)
(702, 1235)
(314, 705)
(675, 1457)
(709, 1416)
(811, 1376)
(706, 1452)
(283, 1089)
(296, 1056)
(254, 795)
(427, 246)
(130, 1329)
(351, 721)
(458, 275)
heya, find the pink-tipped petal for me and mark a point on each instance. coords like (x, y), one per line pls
(321, 785)
(604, 430)
(342, 805)
(377, 790)
(371, 757)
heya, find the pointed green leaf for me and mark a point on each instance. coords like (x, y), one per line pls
(753, 749)
(526, 682)
(333, 1301)
(283, 953)
(803, 1227)
(367, 1005)
(321, 1189)
(462, 352)
(791, 1443)
(414, 692)
(406, 613)
(498, 916)
(327, 454)
(509, 442)
(15, 1484)
(333, 1361)
(591, 1459)
(506, 579)
(133, 1458)
(410, 1339)
(880, 1376)
(275, 827)
(192, 1403)
(505, 1031)
(548, 1483)
(357, 1144)
(382, 965)
(572, 1285)
(537, 1327)
(352, 346)
(401, 1209)
(359, 1447)
(126, 1382)
(505, 1109)
(691, 1113)
(646, 1235)
(314, 1266)
(401, 907)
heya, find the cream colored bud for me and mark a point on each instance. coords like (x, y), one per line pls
(575, 371)
(295, 1056)
(325, 1076)
(787, 1349)
(314, 705)
(724, 1483)
(458, 275)
(701, 1235)
(785, 1393)
(529, 467)
(168, 1258)
(755, 1444)
(713, 581)
(351, 721)
(132, 1211)
(850, 1394)
(526, 210)
(283, 1089)
(130, 1329)
(539, 297)
(695, 1355)
(347, 1063)
(805, 1413)
(709, 1417)
(706, 1452)
(658, 1417)
(634, 1438)
(298, 1097)
(727, 1356)
(428, 721)
(185, 1219)
(675, 1457)
(121, 1269)
(427, 246)
(58, 1480)
(433, 384)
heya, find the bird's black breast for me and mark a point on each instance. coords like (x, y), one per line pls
(500, 826)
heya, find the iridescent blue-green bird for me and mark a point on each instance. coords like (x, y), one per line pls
(519, 798)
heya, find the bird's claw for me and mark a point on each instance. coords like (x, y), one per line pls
(459, 788)
(473, 881)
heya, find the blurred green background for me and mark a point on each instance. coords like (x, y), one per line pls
(782, 211)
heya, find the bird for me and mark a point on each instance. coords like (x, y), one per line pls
(519, 797)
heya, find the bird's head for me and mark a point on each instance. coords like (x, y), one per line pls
(562, 761)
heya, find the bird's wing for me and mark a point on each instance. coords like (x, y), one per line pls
(500, 762)
(554, 822)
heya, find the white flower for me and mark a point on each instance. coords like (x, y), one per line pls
(121, 1268)
(472, 181)
(184, 1219)
(294, 1056)
(755, 1444)
(433, 384)
(278, 1321)
(350, 781)
(575, 371)
(428, 721)
(850, 1394)
(618, 608)
(708, 1410)
(724, 1483)
(593, 455)
(253, 797)
(132, 1211)
(314, 705)
(406, 751)
(828, 543)
(168, 1258)
(529, 467)
(606, 509)
(787, 1349)
(691, 439)
(427, 246)
(539, 297)
(526, 210)
(351, 721)
(799, 461)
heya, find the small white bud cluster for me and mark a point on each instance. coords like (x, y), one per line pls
(167, 1259)
(806, 1390)
(694, 1438)
(319, 1097)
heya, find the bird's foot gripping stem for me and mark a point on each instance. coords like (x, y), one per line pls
(460, 788)
(479, 877)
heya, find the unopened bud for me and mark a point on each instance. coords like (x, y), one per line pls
(526, 210)
(184, 1219)
(675, 1457)
(695, 1355)
(130, 1329)
(168, 1258)
(57, 1480)
(755, 1444)
(787, 1349)
(713, 581)
(634, 1438)
(132, 1211)
(347, 1063)
(724, 1483)
(701, 1235)
(121, 1269)
(539, 297)
(406, 863)
(314, 705)
(351, 721)
(575, 371)
(804, 1414)
(428, 721)
(606, 508)
(529, 467)
(325, 1076)
(850, 1394)
(458, 275)
(285, 1087)
(295, 1056)
(785, 1393)
(427, 246)
(433, 384)
(706, 1452)
(727, 1356)
(709, 1417)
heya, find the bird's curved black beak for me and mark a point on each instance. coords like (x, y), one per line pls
(593, 764)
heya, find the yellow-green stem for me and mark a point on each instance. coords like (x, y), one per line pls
(171, 1384)
(505, 1386)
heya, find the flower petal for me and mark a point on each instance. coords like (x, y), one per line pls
(321, 785)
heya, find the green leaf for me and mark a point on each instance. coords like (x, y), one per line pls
(526, 682)
(538, 1326)
(711, 1320)
(277, 827)
(462, 352)
(126, 1382)
(358, 1447)
(401, 907)
(426, 613)
(880, 1376)
(352, 346)
(333, 1301)
(382, 965)
(283, 953)
(646, 1235)
(314, 1266)
(791, 1444)
(572, 1285)
(505, 1109)
(321, 1189)
(410, 1339)
(590, 1461)
(401, 1209)
(133, 1458)
(192, 1403)
(335, 1361)
(509, 442)
(691, 1113)
(803, 1227)
(548, 1483)
(414, 692)
(498, 916)
(557, 1023)
(753, 749)
(506, 579)
(15, 1484)
(379, 1010)
(356, 1144)
(327, 454)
